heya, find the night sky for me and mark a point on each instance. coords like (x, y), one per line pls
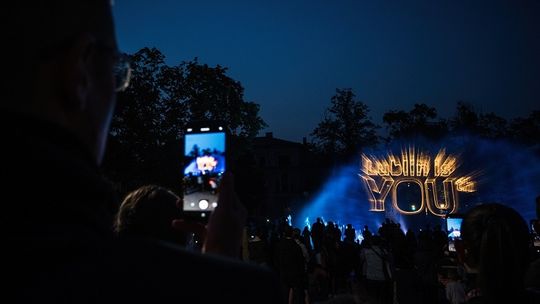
(291, 55)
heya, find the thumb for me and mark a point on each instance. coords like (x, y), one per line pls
(226, 191)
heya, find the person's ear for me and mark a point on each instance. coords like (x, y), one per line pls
(76, 73)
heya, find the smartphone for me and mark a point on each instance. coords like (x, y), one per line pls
(453, 228)
(204, 163)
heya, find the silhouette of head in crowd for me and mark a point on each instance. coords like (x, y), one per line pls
(64, 66)
(149, 212)
(496, 242)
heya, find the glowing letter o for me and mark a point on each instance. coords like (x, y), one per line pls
(394, 195)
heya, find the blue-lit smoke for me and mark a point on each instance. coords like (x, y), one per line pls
(509, 174)
(343, 200)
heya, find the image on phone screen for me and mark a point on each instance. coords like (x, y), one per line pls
(204, 165)
(453, 227)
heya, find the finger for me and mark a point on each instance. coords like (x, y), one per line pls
(226, 192)
(232, 202)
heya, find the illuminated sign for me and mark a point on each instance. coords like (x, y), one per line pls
(435, 179)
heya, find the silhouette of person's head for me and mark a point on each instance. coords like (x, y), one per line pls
(496, 242)
(296, 233)
(63, 66)
(287, 231)
(375, 241)
(149, 212)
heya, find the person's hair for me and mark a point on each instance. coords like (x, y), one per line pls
(148, 212)
(496, 240)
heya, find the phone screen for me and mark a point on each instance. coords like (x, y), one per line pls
(453, 227)
(204, 165)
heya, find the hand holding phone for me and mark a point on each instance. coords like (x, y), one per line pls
(204, 166)
(226, 224)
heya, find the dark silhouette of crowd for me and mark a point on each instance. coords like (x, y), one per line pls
(328, 263)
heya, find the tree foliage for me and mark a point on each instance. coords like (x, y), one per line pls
(465, 119)
(527, 129)
(422, 120)
(161, 99)
(488, 125)
(346, 126)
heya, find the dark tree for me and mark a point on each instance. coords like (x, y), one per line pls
(147, 126)
(492, 126)
(137, 139)
(209, 94)
(466, 119)
(527, 130)
(346, 126)
(420, 121)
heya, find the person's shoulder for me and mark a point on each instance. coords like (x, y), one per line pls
(156, 253)
(169, 271)
(531, 296)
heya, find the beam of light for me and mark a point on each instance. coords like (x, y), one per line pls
(510, 175)
(465, 184)
(377, 193)
(341, 200)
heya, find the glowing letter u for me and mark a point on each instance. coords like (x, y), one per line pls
(436, 206)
